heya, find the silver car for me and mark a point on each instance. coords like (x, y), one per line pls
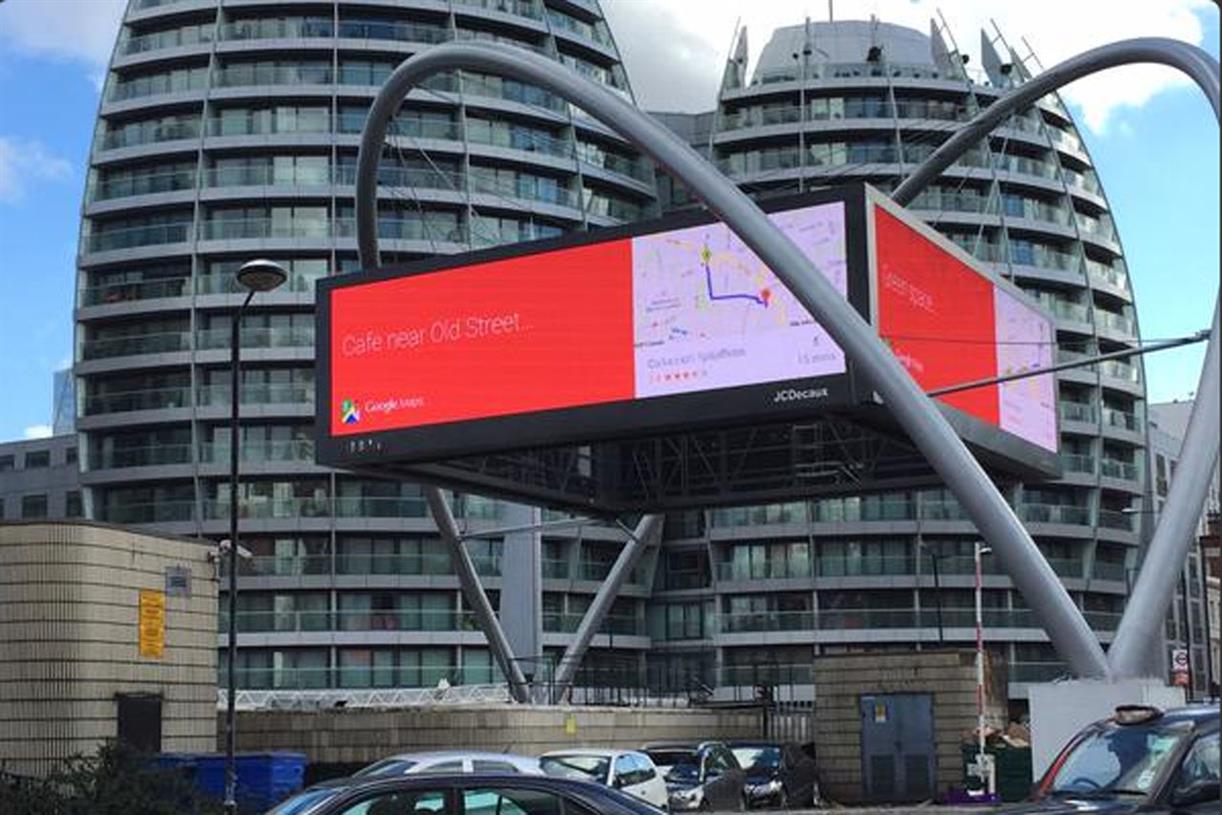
(450, 761)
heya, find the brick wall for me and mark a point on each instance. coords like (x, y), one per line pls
(359, 736)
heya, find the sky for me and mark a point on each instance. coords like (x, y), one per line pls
(1150, 132)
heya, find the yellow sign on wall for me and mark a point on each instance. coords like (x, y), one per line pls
(152, 624)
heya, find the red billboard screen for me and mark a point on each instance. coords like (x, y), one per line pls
(590, 343)
(681, 311)
(948, 324)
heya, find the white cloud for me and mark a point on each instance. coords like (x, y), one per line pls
(23, 161)
(38, 431)
(675, 57)
(83, 30)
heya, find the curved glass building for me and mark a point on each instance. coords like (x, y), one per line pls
(755, 592)
(229, 131)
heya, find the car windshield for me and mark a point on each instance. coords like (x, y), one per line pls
(762, 757)
(677, 765)
(1118, 759)
(386, 767)
(586, 768)
(306, 802)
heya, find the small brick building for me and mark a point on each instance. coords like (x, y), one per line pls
(889, 726)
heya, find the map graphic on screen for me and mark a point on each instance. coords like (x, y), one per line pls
(1024, 343)
(710, 314)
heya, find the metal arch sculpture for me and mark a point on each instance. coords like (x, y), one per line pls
(1155, 587)
(916, 413)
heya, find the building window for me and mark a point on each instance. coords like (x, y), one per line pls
(7, 463)
(37, 459)
(70, 455)
(72, 504)
(34, 506)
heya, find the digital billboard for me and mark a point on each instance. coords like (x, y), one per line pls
(682, 311)
(948, 324)
(618, 368)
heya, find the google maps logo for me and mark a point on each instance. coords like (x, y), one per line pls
(349, 413)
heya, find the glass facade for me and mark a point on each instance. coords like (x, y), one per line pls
(230, 131)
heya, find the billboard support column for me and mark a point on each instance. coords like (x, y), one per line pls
(473, 591)
(646, 532)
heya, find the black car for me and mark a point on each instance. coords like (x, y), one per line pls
(1140, 760)
(780, 775)
(700, 776)
(462, 794)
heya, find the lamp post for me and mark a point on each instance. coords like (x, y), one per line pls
(983, 764)
(255, 276)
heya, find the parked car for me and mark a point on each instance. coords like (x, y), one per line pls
(701, 776)
(462, 794)
(626, 770)
(451, 761)
(779, 775)
(1140, 760)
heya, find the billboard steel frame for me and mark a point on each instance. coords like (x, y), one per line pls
(914, 410)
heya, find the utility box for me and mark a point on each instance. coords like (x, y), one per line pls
(888, 726)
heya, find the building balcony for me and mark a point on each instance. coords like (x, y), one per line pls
(1123, 470)
(1055, 514)
(257, 394)
(109, 240)
(152, 134)
(615, 624)
(159, 512)
(1079, 463)
(135, 400)
(125, 292)
(144, 456)
(260, 452)
(763, 570)
(136, 345)
(1079, 412)
(411, 564)
(764, 621)
(128, 186)
(270, 337)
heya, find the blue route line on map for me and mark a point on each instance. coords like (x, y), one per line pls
(708, 279)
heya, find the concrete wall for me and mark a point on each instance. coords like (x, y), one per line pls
(69, 640)
(364, 735)
(950, 676)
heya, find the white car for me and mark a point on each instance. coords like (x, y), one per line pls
(626, 770)
(450, 761)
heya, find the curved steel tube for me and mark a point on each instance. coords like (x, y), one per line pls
(1164, 558)
(915, 412)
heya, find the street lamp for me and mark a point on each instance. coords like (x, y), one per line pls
(986, 772)
(254, 276)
